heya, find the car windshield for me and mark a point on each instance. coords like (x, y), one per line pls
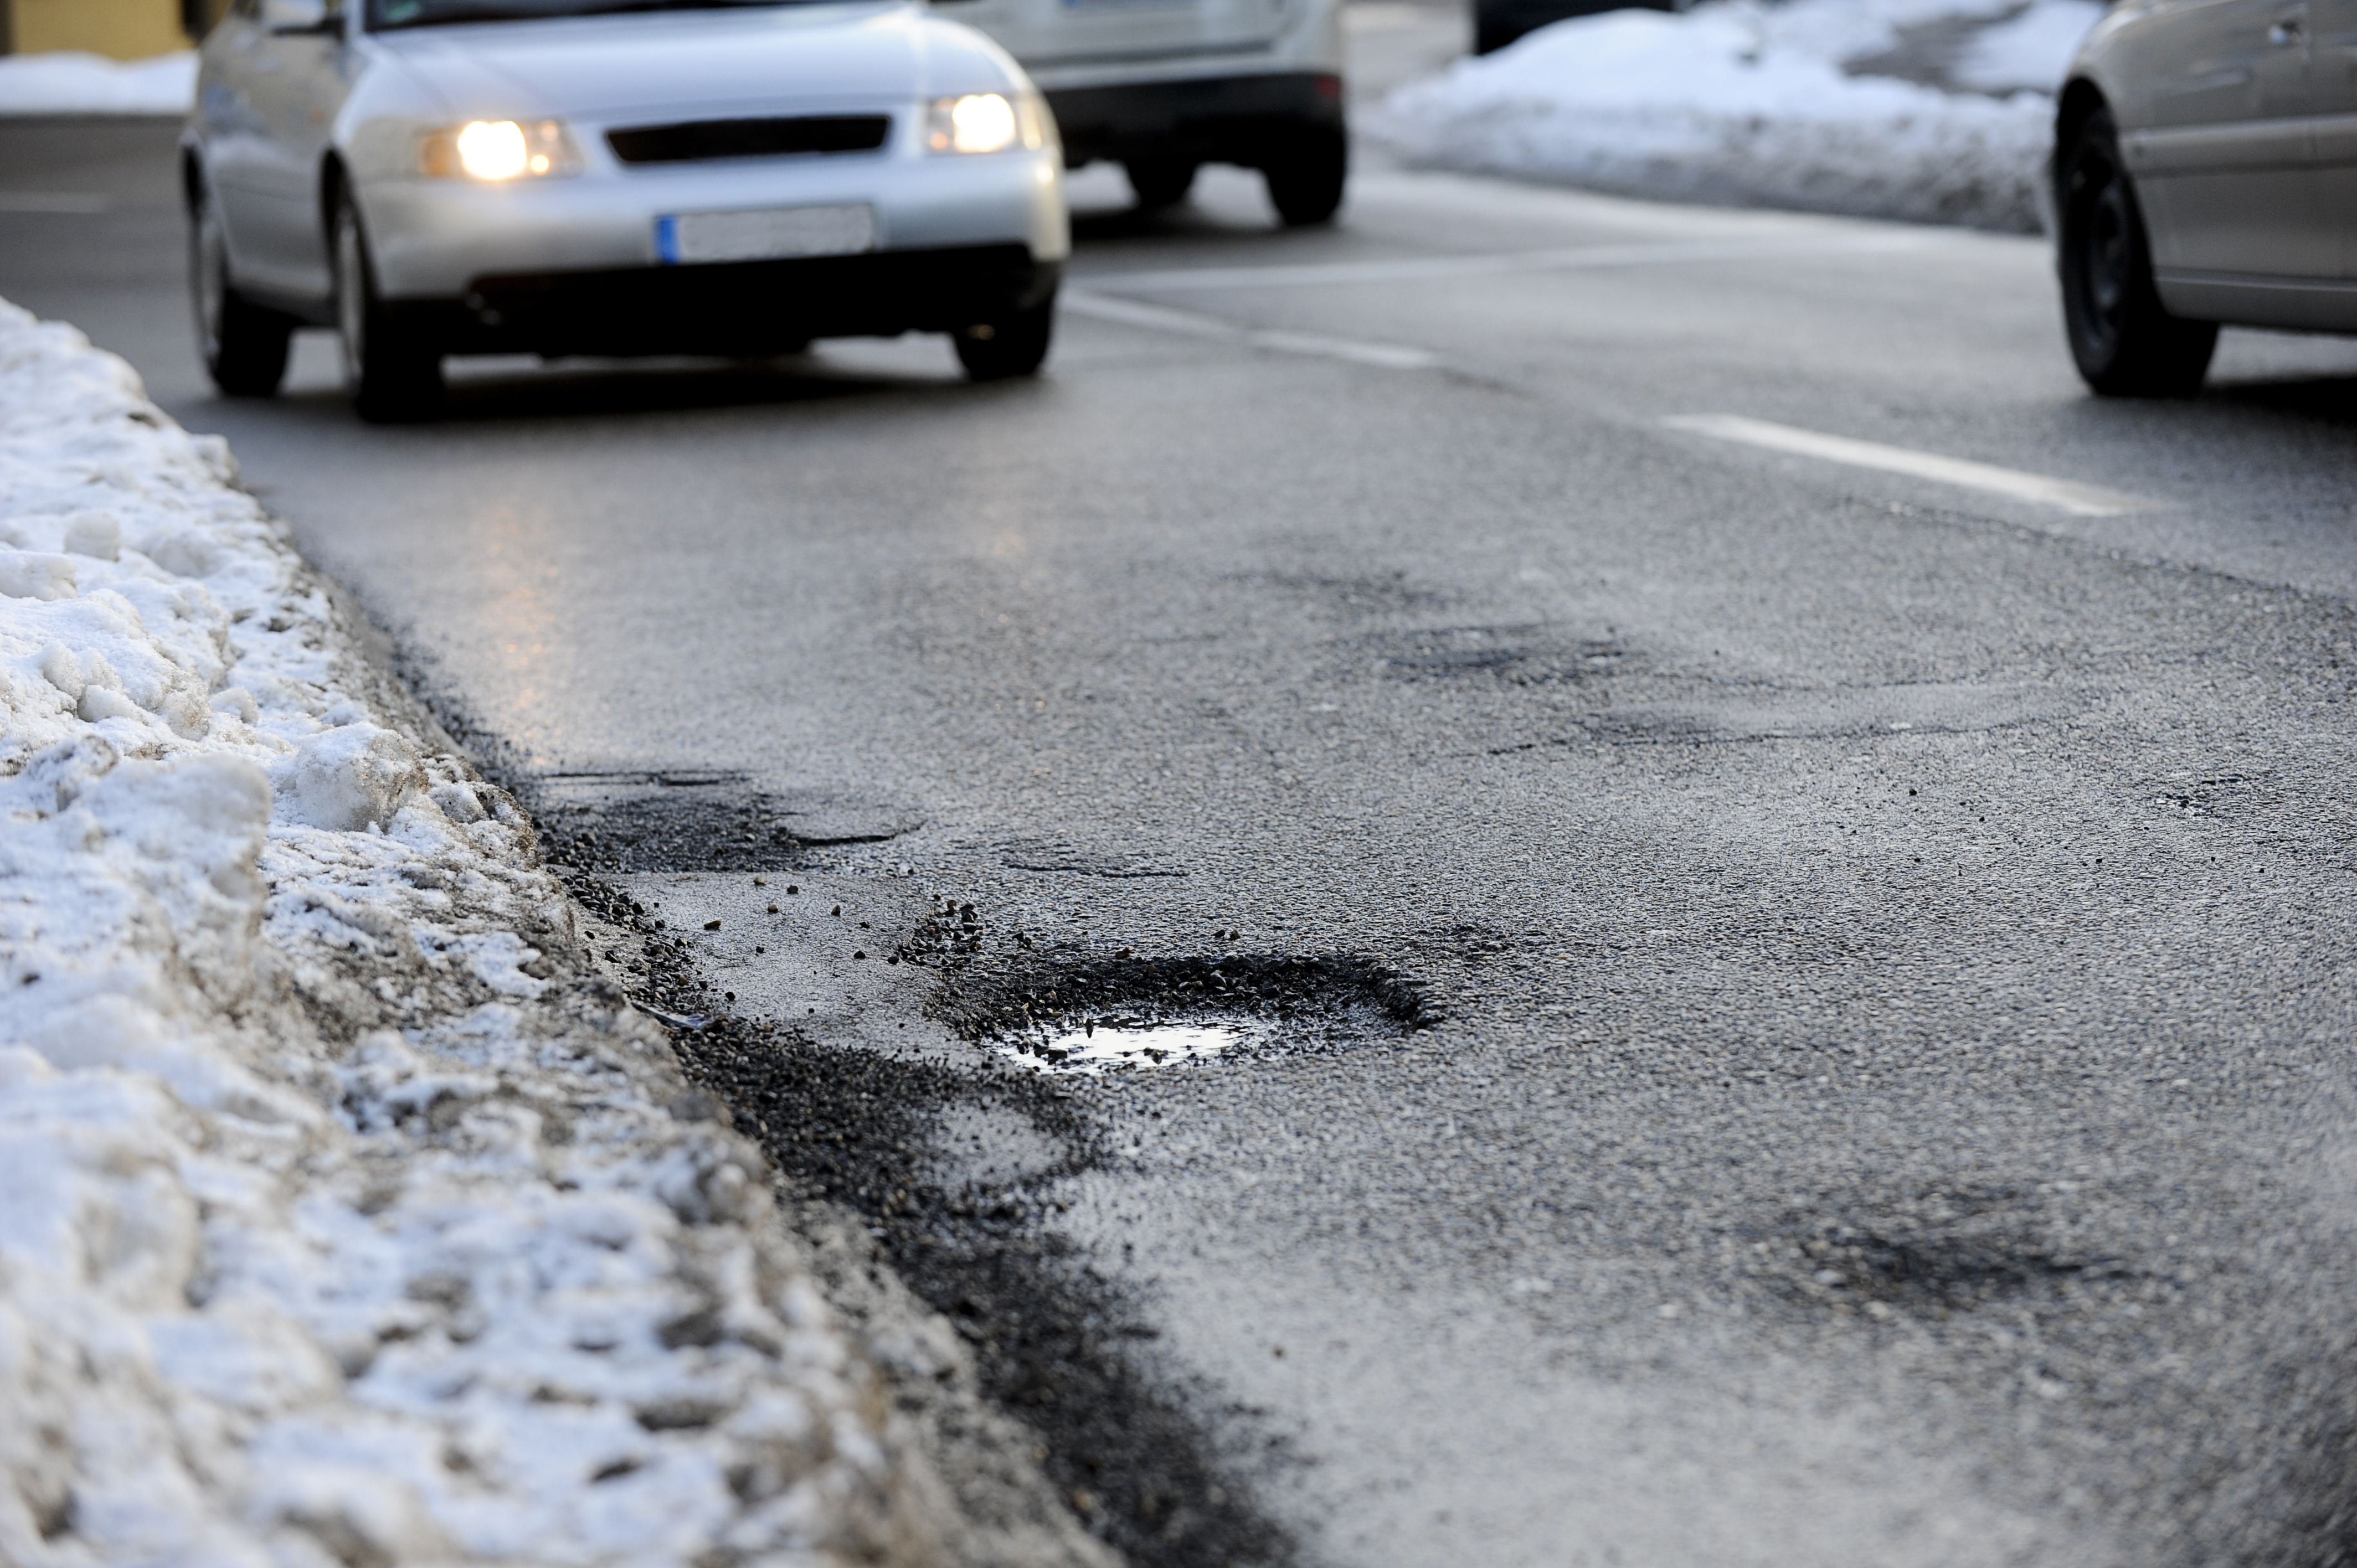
(386, 15)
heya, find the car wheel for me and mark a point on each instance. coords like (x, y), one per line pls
(390, 376)
(1160, 182)
(243, 345)
(2125, 343)
(1016, 345)
(1305, 183)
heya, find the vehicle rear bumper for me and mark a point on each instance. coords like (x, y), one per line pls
(1245, 120)
(743, 307)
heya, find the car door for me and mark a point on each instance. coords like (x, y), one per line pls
(2332, 87)
(293, 77)
(1047, 35)
(235, 139)
(2215, 131)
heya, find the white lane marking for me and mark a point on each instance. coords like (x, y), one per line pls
(1162, 318)
(52, 202)
(1423, 269)
(2083, 501)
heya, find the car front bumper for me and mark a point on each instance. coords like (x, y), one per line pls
(735, 308)
(456, 251)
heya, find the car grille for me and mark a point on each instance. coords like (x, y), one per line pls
(749, 138)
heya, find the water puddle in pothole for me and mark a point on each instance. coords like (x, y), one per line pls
(1112, 1048)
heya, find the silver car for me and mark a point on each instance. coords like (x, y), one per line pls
(611, 177)
(2205, 173)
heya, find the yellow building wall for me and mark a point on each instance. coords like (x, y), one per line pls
(126, 29)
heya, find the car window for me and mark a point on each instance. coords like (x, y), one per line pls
(387, 15)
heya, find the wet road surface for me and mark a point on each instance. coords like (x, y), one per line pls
(1792, 998)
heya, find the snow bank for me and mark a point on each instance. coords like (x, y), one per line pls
(346, 1216)
(70, 82)
(2029, 50)
(1744, 102)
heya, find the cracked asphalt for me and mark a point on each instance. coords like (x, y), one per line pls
(1883, 1092)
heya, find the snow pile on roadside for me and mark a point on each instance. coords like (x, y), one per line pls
(346, 1216)
(2028, 50)
(1747, 102)
(67, 82)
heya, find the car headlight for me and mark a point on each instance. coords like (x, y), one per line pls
(498, 150)
(979, 123)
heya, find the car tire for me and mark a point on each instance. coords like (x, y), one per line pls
(391, 376)
(1305, 183)
(2125, 343)
(1015, 345)
(1160, 182)
(243, 345)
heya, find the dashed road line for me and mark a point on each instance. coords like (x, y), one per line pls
(52, 202)
(2070, 495)
(1186, 323)
(1579, 258)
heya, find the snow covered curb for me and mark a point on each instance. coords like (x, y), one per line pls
(1750, 103)
(67, 82)
(346, 1215)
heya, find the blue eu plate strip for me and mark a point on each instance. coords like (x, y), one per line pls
(667, 240)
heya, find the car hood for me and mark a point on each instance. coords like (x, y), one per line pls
(720, 61)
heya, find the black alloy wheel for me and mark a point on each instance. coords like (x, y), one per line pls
(1305, 181)
(1016, 345)
(1159, 182)
(2125, 342)
(390, 375)
(243, 345)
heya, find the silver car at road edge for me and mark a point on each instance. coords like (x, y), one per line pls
(2205, 173)
(613, 177)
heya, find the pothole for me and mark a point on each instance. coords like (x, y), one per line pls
(943, 1167)
(697, 819)
(1087, 1014)
(1096, 1048)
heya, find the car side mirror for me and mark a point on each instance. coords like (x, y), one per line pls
(293, 18)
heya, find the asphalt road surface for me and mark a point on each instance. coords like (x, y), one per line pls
(1794, 999)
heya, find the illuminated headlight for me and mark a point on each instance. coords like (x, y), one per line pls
(978, 123)
(499, 150)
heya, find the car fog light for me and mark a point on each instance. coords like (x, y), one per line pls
(977, 122)
(498, 150)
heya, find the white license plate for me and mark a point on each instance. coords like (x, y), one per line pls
(766, 234)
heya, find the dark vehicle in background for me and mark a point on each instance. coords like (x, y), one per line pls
(2205, 174)
(1162, 87)
(1497, 23)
